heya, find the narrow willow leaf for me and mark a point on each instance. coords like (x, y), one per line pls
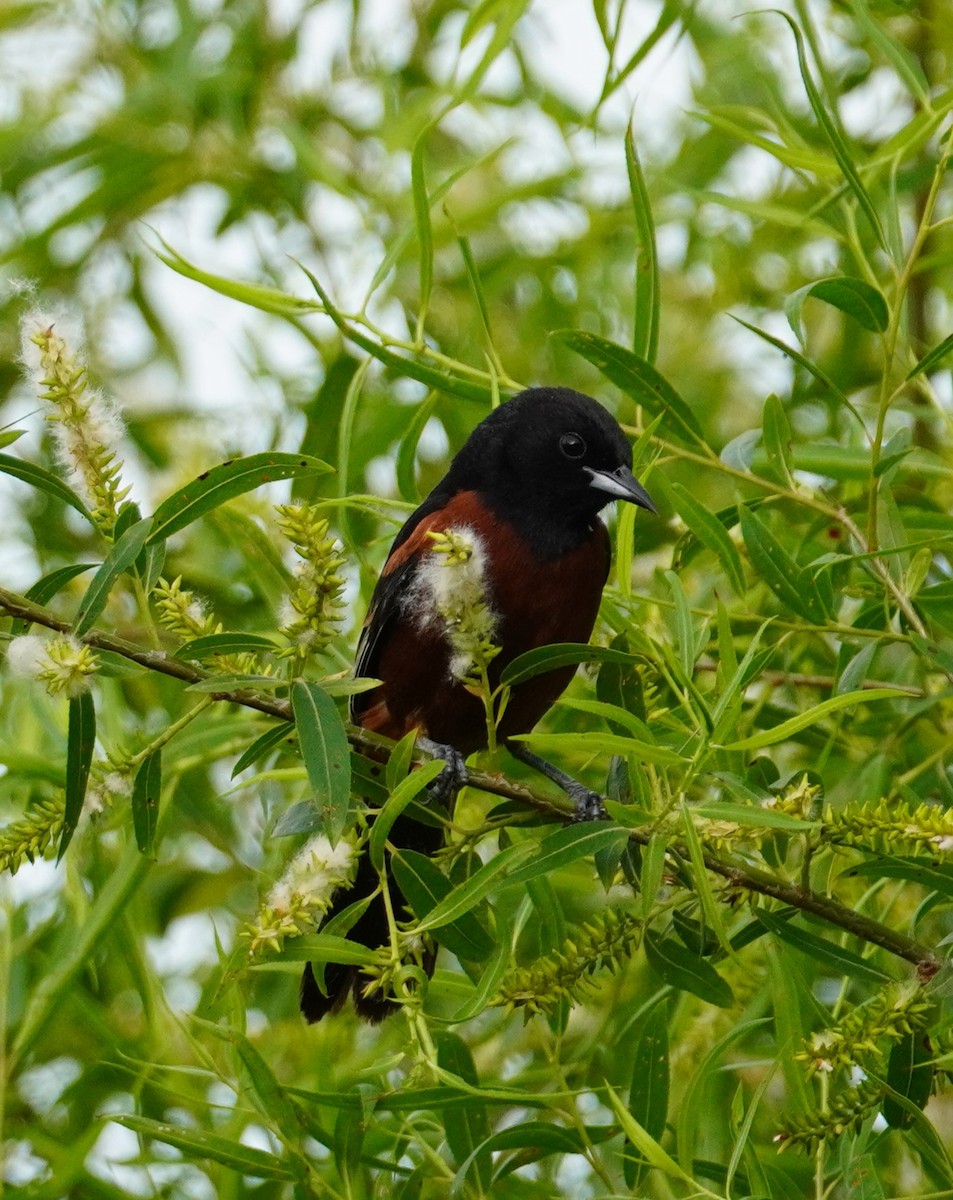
(81, 740)
(439, 378)
(467, 1127)
(855, 297)
(408, 789)
(566, 846)
(602, 743)
(753, 817)
(648, 1092)
(834, 137)
(119, 559)
(653, 867)
(710, 909)
(625, 548)
(647, 299)
(684, 630)
(418, 188)
(779, 570)
(797, 357)
(45, 589)
(407, 451)
(648, 1146)
(226, 481)
(272, 1100)
(225, 643)
(638, 379)
(319, 948)
(693, 1110)
(562, 654)
(686, 972)
(787, 729)
(835, 958)
(468, 894)
(933, 357)
(776, 439)
(43, 481)
(706, 527)
(933, 877)
(302, 817)
(910, 1073)
(426, 886)
(267, 299)
(862, 1179)
(145, 802)
(327, 758)
(196, 1143)
(9, 436)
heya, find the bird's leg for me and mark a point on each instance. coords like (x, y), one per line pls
(454, 775)
(587, 804)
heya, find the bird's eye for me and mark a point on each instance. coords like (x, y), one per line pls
(572, 445)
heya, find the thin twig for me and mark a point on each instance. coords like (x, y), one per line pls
(742, 876)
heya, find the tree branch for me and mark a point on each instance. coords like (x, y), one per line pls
(739, 875)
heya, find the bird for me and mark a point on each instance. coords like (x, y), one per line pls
(524, 493)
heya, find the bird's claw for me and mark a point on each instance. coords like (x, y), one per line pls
(587, 805)
(454, 775)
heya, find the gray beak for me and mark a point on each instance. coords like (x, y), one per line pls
(623, 485)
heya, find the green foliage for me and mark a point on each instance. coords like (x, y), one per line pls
(751, 953)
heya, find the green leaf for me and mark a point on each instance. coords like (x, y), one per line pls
(145, 802)
(706, 527)
(601, 743)
(753, 817)
(679, 968)
(910, 1073)
(933, 357)
(787, 729)
(855, 297)
(468, 894)
(327, 758)
(648, 1092)
(835, 958)
(119, 559)
(834, 137)
(811, 367)
(211, 644)
(780, 572)
(647, 294)
(407, 451)
(226, 481)
(932, 876)
(44, 481)
(81, 740)
(425, 886)
(45, 589)
(318, 948)
(648, 1146)
(638, 379)
(562, 654)
(862, 1179)
(653, 867)
(684, 630)
(418, 188)
(566, 846)
(196, 1143)
(468, 1126)
(408, 789)
(776, 439)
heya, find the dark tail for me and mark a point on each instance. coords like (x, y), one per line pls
(370, 929)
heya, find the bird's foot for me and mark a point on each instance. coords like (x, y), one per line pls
(454, 775)
(587, 805)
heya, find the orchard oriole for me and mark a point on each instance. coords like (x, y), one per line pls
(524, 493)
